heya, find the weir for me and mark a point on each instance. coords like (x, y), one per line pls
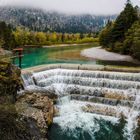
(86, 93)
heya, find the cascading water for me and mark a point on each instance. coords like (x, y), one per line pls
(91, 103)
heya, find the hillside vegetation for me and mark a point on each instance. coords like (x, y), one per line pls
(29, 26)
(123, 35)
(39, 20)
(21, 36)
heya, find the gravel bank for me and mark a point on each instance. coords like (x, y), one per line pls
(101, 54)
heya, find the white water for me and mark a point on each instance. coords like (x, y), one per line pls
(132, 117)
(72, 117)
(103, 85)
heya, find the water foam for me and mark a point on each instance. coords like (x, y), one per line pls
(112, 85)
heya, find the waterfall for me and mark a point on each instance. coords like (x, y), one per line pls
(132, 117)
(88, 96)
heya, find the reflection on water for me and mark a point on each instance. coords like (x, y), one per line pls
(68, 54)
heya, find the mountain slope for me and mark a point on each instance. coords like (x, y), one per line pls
(39, 20)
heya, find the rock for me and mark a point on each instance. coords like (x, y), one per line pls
(5, 52)
(50, 94)
(11, 125)
(37, 109)
(56, 111)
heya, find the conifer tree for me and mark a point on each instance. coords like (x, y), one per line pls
(113, 36)
(105, 35)
(6, 36)
(123, 22)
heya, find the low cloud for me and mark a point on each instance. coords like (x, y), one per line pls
(73, 6)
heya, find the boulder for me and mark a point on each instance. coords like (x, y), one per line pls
(38, 111)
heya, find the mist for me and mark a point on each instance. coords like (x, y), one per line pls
(98, 7)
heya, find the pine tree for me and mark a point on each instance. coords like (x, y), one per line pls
(113, 36)
(105, 35)
(123, 22)
(135, 47)
(6, 36)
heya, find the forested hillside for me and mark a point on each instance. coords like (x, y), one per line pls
(123, 35)
(39, 20)
(21, 36)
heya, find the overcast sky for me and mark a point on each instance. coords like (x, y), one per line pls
(74, 6)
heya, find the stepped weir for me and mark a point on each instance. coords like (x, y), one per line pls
(86, 93)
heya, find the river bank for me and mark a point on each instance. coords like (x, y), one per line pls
(101, 54)
(59, 45)
(4, 52)
(66, 45)
(5, 55)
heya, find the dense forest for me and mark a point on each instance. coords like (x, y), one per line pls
(123, 35)
(28, 26)
(11, 38)
(24, 36)
(7, 39)
(39, 20)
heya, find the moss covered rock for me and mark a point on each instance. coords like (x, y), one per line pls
(10, 81)
(12, 127)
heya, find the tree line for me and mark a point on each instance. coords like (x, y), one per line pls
(123, 34)
(23, 36)
(11, 38)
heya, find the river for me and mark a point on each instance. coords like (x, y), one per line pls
(64, 54)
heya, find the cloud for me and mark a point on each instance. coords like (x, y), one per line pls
(74, 6)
